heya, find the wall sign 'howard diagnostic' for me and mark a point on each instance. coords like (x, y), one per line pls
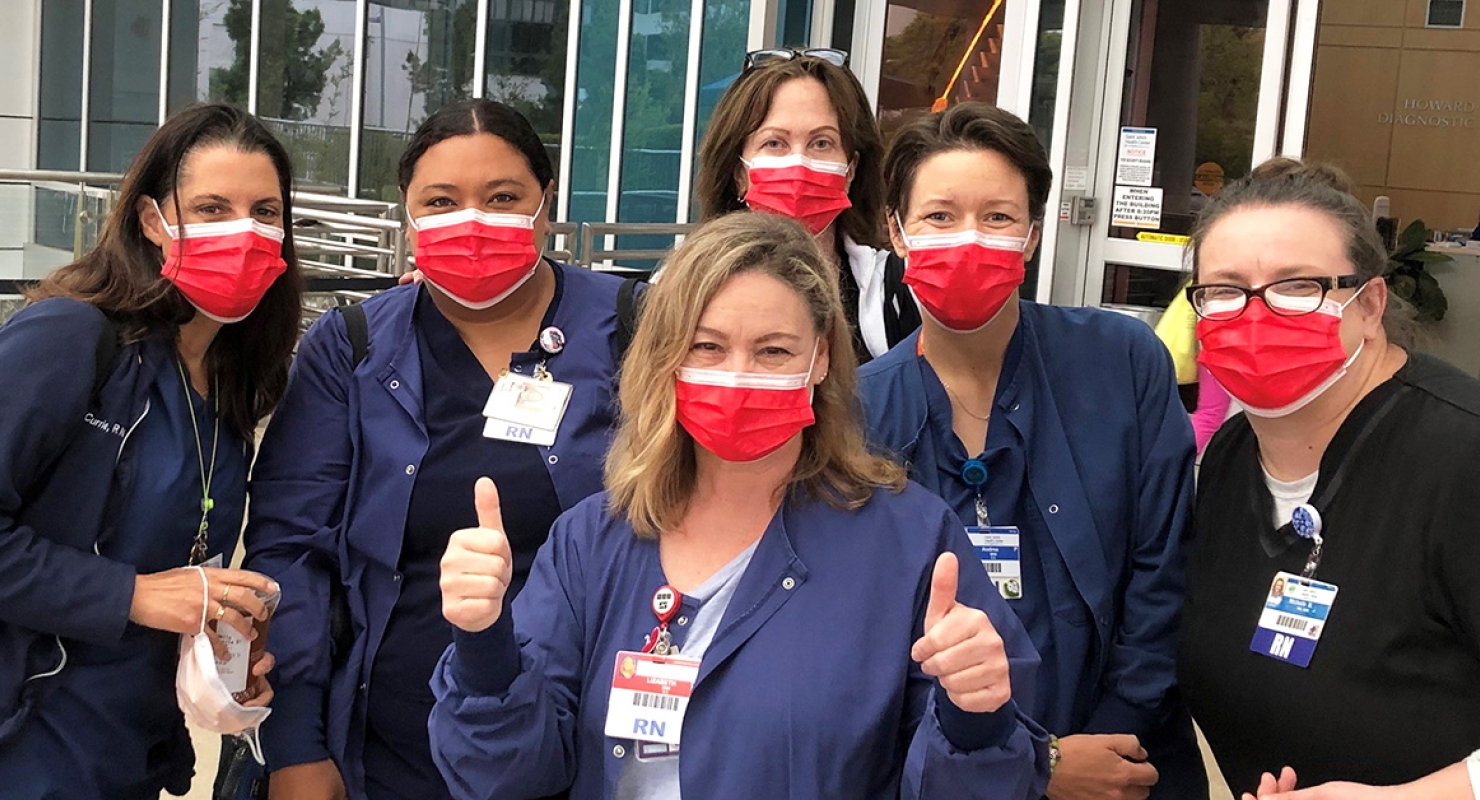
(1419, 113)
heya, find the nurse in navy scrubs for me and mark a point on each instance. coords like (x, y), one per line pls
(133, 385)
(824, 619)
(366, 467)
(1057, 437)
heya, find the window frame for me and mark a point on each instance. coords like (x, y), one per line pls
(1428, 19)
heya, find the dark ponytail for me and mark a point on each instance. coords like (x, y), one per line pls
(467, 117)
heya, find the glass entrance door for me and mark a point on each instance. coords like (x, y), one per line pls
(1184, 118)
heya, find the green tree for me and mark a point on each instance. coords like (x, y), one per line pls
(446, 76)
(293, 71)
(927, 51)
(1228, 96)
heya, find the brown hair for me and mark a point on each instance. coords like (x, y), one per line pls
(967, 126)
(650, 468)
(744, 107)
(248, 360)
(1322, 188)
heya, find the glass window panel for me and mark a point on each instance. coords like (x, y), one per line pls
(938, 52)
(653, 132)
(721, 56)
(794, 23)
(60, 126)
(123, 94)
(305, 83)
(1046, 70)
(418, 58)
(1447, 13)
(1192, 74)
(209, 49)
(525, 65)
(595, 81)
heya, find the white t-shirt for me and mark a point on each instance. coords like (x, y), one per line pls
(1289, 494)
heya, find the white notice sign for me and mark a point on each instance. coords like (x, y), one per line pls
(1137, 156)
(1076, 179)
(1136, 207)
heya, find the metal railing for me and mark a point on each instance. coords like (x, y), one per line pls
(349, 248)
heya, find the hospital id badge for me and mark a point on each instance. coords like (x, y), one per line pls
(1293, 619)
(997, 548)
(649, 696)
(526, 410)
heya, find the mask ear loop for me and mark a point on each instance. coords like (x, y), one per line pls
(904, 237)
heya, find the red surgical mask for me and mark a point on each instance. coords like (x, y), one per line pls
(475, 257)
(809, 191)
(963, 280)
(1272, 364)
(224, 268)
(743, 416)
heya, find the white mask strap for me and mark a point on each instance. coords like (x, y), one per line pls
(544, 196)
(172, 230)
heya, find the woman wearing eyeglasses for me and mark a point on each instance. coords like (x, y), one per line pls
(1349, 484)
(795, 135)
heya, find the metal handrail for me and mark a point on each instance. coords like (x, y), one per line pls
(590, 254)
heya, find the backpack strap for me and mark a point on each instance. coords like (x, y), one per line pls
(627, 313)
(358, 330)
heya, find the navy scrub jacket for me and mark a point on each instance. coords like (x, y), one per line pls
(1105, 455)
(331, 489)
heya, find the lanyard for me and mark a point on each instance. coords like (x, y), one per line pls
(199, 548)
(665, 607)
(974, 474)
(1306, 520)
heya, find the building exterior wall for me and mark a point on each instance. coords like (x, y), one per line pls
(1396, 103)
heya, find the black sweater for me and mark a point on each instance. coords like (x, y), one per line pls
(1393, 690)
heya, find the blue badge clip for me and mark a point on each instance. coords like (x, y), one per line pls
(1306, 521)
(974, 473)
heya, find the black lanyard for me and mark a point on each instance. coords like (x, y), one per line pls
(1310, 527)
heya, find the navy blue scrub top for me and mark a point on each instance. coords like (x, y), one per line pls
(110, 727)
(1010, 502)
(398, 761)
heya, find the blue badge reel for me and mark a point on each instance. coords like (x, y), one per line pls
(998, 547)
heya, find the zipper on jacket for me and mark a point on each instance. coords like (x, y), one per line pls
(130, 432)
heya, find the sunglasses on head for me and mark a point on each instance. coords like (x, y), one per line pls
(760, 58)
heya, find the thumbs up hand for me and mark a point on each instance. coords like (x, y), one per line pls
(960, 647)
(478, 566)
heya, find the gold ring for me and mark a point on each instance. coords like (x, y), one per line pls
(220, 611)
(225, 592)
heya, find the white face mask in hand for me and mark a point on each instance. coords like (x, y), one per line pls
(202, 695)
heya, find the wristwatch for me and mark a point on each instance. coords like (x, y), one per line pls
(1054, 754)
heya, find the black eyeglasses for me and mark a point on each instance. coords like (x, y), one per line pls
(1291, 297)
(760, 58)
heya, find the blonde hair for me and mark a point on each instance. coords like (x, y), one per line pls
(650, 470)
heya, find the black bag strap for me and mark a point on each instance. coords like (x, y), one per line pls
(103, 358)
(901, 315)
(358, 330)
(627, 313)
